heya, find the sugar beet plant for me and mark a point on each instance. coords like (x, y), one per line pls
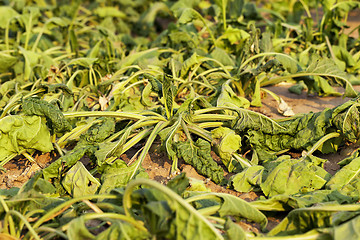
(89, 81)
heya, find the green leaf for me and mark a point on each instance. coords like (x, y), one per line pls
(35, 106)
(135, 57)
(348, 230)
(169, 91)
(248, 119)
(228, 98)
(83, 61)
(347, 179)
(327, 68)
(198, 155)
(118, 174)
(305, 219)
(222, 56)
(189, 63)
(109, 12)
(6, 14)
(179, 183)
(294, 176)
(98, 132)
(79, 182)
(226, 143)
(256, 98)
(234, 35)
(145, 95)
(6, 61)
(31, 59)
(248, 179)
(18, 133)
(345, 119)
(285, 202)
(77, 229)
(186, 222)
(234, 231)
(235, 206)
(121, 230)
(188, 15)
(54, 169)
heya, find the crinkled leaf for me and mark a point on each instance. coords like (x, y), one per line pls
(98, 132)
(35, 106)
(198, 155)
(169, 91)
(347, 118)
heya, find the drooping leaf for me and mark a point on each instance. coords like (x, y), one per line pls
(235, 206)
(179, 183)
(294, 176)
(248, 179)
(118, 174)
(198, 155)
(228, 98)
(347, 179)
(18, 133)
(284, 202)
(7, 13)
(79, 182)
(6, 60)
(305, 219)
(226, 142)
(122, 231)
(34, 106)
(234, 231)
(109, 12)
(77, 229)
(65, 162)
(347, 230)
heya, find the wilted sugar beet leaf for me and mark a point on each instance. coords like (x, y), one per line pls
(198, 155)
(35, 106)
